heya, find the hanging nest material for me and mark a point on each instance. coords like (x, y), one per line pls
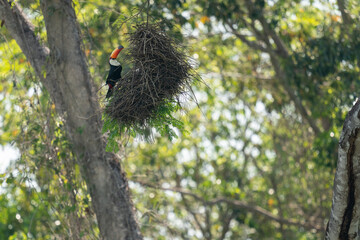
(160, 73)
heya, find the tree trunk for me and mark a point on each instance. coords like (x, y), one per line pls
(345, 214)
(69, 83)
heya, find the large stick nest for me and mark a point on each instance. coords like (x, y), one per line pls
(160, 73)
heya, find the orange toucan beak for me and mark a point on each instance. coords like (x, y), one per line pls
(116, 52)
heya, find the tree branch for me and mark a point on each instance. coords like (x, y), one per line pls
(194, 215)
(243, 38)
(281, 48)
(297, 101)
(226, 224)
(236, 204)
(344, 13)
(281, 51)
(345, 211)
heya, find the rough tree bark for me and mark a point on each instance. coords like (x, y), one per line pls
(69, 83)
(345, 214)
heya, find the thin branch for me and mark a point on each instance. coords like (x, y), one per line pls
(194, 215)
(226, 225)
(281, 48)
(266, 213)
(243, 38)
(280, 51)
(208, 234)
(258, 34)
(236, 204)
(235, 75)
(297, 101)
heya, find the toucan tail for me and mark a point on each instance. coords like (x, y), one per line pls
(109, 93)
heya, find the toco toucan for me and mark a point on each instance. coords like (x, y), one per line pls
(115, 70)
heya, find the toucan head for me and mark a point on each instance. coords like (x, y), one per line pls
(116, 52)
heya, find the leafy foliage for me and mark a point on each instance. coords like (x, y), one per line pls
(163, 123)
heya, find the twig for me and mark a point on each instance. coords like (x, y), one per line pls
(236, 204)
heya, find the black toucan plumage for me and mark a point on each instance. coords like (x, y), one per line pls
(115, 70)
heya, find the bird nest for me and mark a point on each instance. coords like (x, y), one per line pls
(160, 73)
